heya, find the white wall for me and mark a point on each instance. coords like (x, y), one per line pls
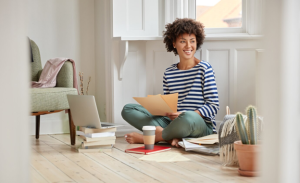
(14, 94)
(137, 18)
(82, 30)
(234, 59)
(234, 62)
(279, 92)
(100, 46)
(64, 28)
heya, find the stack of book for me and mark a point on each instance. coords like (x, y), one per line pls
(96, 140)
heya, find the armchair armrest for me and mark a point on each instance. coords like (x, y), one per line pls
(65, 76)
(39, 74)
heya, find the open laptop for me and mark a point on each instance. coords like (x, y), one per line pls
(84, 112)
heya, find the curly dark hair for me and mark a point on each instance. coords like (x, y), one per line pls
(182, 26)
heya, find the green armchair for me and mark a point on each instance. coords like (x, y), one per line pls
(51, 100)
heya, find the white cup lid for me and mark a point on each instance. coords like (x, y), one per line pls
(149, 128)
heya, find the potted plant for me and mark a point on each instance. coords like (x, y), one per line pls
(247, 149)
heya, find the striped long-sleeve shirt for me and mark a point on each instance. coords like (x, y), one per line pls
(196, 88)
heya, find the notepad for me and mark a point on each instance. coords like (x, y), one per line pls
(142, 150)
(159, 105)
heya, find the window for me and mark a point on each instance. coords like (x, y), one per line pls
(222, 16)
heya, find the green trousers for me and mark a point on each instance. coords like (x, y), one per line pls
(187, 124)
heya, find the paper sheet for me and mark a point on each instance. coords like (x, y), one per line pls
(188, 145)
(155, 105)
(171, 100)
(165, 157)
(159, 104)
(203, 149)
(210, 139)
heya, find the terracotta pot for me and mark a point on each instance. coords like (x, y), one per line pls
(247, 156)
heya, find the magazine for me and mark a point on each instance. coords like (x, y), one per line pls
(212, 149)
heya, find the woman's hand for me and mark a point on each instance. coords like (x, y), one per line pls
(173, 116)
(199, 113)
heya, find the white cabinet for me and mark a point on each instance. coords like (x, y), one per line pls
(146, 19)
(135, 18)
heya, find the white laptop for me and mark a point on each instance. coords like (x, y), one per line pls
(84, 112)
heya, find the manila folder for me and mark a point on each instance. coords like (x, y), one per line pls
(154, 104)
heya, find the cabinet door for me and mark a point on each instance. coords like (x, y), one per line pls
(135, 18)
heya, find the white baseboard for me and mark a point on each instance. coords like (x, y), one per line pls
(123, 130)
(60, 124)
(50, 125)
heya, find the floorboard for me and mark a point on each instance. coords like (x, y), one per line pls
(36, 177)
(53, 159)
(47, 169)
(177, 172)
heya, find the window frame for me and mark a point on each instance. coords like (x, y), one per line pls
(231, 30)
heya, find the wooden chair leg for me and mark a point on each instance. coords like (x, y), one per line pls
(72, 129)
(37, 126)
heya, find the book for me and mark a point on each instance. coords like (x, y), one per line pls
(97, 143)
(159, 105)
(142, 150)
(106, 146)
(88, 139)
(209, 139)
(203, 149)
(96, 130)
(93, 135)
(94, 149)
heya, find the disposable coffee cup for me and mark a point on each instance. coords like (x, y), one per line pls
(149, 137)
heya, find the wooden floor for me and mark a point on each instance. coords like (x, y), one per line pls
(53, 159)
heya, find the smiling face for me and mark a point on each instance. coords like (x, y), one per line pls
(186, 46)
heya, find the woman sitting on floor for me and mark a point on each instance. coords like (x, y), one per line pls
(192, 79)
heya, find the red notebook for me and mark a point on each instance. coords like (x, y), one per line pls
(142, 150)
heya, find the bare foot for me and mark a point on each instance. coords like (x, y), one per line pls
(158, 134)
(158, 137)
(134, 138)
(174, 142)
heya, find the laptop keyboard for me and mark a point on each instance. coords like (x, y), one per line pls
(105, 125)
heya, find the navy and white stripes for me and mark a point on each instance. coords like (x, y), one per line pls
(196, 88)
